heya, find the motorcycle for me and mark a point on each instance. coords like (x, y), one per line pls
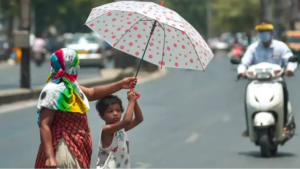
(264, 106)
(39, 57)
(236, 53)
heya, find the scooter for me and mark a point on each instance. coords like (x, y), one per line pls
(39, 57)
(264, 106)
(236, 53)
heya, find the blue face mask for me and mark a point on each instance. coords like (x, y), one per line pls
(264, 36)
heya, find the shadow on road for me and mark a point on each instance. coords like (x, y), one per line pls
(257, 154)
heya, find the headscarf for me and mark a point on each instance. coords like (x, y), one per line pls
(62, 91)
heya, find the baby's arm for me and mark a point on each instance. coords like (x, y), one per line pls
(138, 117)
(112, 128)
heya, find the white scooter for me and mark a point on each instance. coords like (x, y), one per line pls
(265, 107)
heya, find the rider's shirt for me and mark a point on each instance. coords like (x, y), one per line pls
(277, 53)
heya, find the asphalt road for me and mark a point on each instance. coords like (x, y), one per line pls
(192, 120)
(10, 75)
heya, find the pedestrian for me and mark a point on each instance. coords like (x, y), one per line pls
(113, 149)
(64, 130)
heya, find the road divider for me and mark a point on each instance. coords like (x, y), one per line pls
(16, 95)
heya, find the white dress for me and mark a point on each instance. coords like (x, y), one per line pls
(117, 154)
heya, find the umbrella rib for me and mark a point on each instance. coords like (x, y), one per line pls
(128, 31)
(147, 20)
(100, 16)
(196, 53)
(161, 26)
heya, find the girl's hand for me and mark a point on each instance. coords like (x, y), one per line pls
(51, 162)
(132, 95)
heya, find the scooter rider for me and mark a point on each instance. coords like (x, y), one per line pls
(270, 50)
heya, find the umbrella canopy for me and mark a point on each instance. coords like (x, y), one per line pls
(151, 32)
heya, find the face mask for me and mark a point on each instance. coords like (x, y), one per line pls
(264, 36)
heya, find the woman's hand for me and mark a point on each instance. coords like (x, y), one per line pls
(128, 82)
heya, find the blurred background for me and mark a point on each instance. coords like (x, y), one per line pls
(225, 24)
(192, 118)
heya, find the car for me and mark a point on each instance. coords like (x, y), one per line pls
(109, 50)
(90, 49)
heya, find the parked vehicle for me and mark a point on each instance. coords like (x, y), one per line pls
(90, 49)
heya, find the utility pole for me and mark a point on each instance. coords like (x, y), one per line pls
(21, 39)
(262, 9)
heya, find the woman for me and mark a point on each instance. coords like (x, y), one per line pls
(64, 130)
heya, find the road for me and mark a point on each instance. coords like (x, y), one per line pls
(10, 75)
(192, 120)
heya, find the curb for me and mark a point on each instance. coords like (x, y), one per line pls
(16, 95)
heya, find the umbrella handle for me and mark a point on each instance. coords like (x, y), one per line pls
(131, 88)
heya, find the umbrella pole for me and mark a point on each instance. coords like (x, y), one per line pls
(152, 30)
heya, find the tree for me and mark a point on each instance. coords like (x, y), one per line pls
(193, 11)
(66, 15)
(9, 9)
(234, 15)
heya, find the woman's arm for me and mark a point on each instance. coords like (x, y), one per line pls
(46, 118)
(98, 92)
(138, 117)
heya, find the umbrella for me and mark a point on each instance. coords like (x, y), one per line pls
(151, 32)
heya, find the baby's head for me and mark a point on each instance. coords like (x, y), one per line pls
(110, 109)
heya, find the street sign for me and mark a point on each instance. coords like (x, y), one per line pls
(21, 39)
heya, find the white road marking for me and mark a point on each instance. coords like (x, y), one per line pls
(143, 165)
(30, 103)
(192, 138)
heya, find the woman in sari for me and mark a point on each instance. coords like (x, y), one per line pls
(64, 130)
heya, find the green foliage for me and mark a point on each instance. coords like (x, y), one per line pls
(70, 15)
(67, 15)
(234, 15)
(193, 11)
(9, 8)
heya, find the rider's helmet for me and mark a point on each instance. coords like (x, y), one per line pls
(265, 31)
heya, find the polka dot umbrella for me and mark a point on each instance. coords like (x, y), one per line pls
(151, 32)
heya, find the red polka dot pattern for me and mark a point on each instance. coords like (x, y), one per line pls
(127, 26)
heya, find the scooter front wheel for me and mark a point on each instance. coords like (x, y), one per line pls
(273, 151)
(265, 146)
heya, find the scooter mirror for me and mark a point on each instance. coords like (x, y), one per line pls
(293, 58)
(235, 61)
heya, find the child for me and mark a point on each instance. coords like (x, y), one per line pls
(114, 145)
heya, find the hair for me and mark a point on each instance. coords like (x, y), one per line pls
(264, 21)
(105, 102)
